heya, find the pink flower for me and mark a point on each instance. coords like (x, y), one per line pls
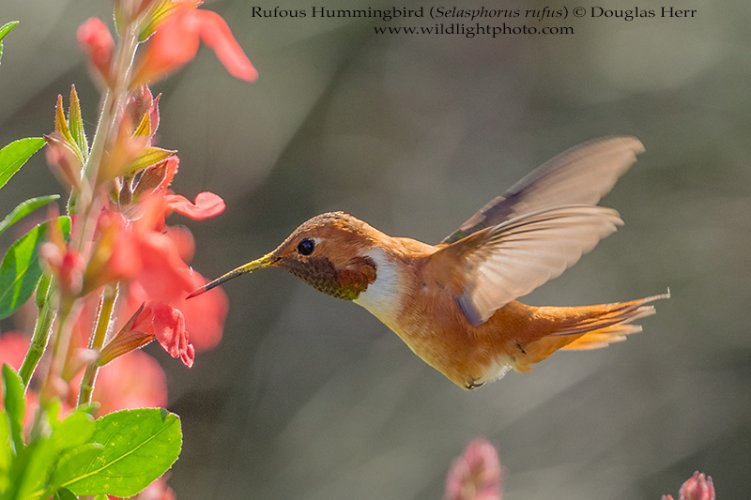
(176, 43)
(476, 474)
(698, 487)
(96, 41)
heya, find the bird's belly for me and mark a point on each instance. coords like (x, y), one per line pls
(466, 355)
(428, 320)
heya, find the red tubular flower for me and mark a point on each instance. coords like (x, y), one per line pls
(177, 40)
(476, 474)
(164, 275)
(96, 41)
(150, 259)
(152, 321)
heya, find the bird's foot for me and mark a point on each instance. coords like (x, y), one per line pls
(473, 384)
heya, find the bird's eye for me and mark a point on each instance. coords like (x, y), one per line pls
(306, 246)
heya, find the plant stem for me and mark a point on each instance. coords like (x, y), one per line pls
(113, 107)
(106, 308)
(40, 337)
(60, 345)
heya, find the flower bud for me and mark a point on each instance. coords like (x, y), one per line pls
(96, 41)
(63, 160)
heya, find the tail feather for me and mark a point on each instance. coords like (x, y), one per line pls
(602, 338)
(586, 328)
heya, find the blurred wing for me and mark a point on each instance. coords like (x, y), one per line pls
(580, 176)
(490, 268)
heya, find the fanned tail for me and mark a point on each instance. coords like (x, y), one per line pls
(585, 327)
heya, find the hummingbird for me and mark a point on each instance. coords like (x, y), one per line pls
(455, 303)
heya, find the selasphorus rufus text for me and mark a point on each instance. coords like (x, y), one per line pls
(454, 304)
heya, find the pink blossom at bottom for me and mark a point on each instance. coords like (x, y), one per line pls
(476, 474)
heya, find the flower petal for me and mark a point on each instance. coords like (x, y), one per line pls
(205, 206)
(168, 326)
(174, 44)
(216, 34)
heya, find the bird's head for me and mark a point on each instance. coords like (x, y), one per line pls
(327, 251)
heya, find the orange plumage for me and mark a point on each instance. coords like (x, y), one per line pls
(454, 304)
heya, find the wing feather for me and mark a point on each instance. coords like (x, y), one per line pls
(580, 176)
(504, 262)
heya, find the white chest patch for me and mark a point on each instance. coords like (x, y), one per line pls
(381, 298)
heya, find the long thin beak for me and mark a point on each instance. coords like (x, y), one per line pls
(264, 261)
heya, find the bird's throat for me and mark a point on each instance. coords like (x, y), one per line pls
(382, 297)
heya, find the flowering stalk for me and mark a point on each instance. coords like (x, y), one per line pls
(106, 310)
(116, 245)
(112, 110)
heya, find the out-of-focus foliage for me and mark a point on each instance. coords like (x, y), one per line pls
(309, 397)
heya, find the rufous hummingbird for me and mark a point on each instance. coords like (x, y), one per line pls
(454, 304)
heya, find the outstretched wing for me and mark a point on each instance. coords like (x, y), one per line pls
(580, 176)
(496, 265)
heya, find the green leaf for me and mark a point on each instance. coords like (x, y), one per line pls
(65, 494)
(138, 447)
(42, 456)
(4, 30)
(24, 209)
(7, 28)
(15, 154)
(20, 268)
(75, 121)
(76, 429)
(5, 453)
(31, 469)
(15, 405)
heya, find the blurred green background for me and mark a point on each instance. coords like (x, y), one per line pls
(310, 397)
